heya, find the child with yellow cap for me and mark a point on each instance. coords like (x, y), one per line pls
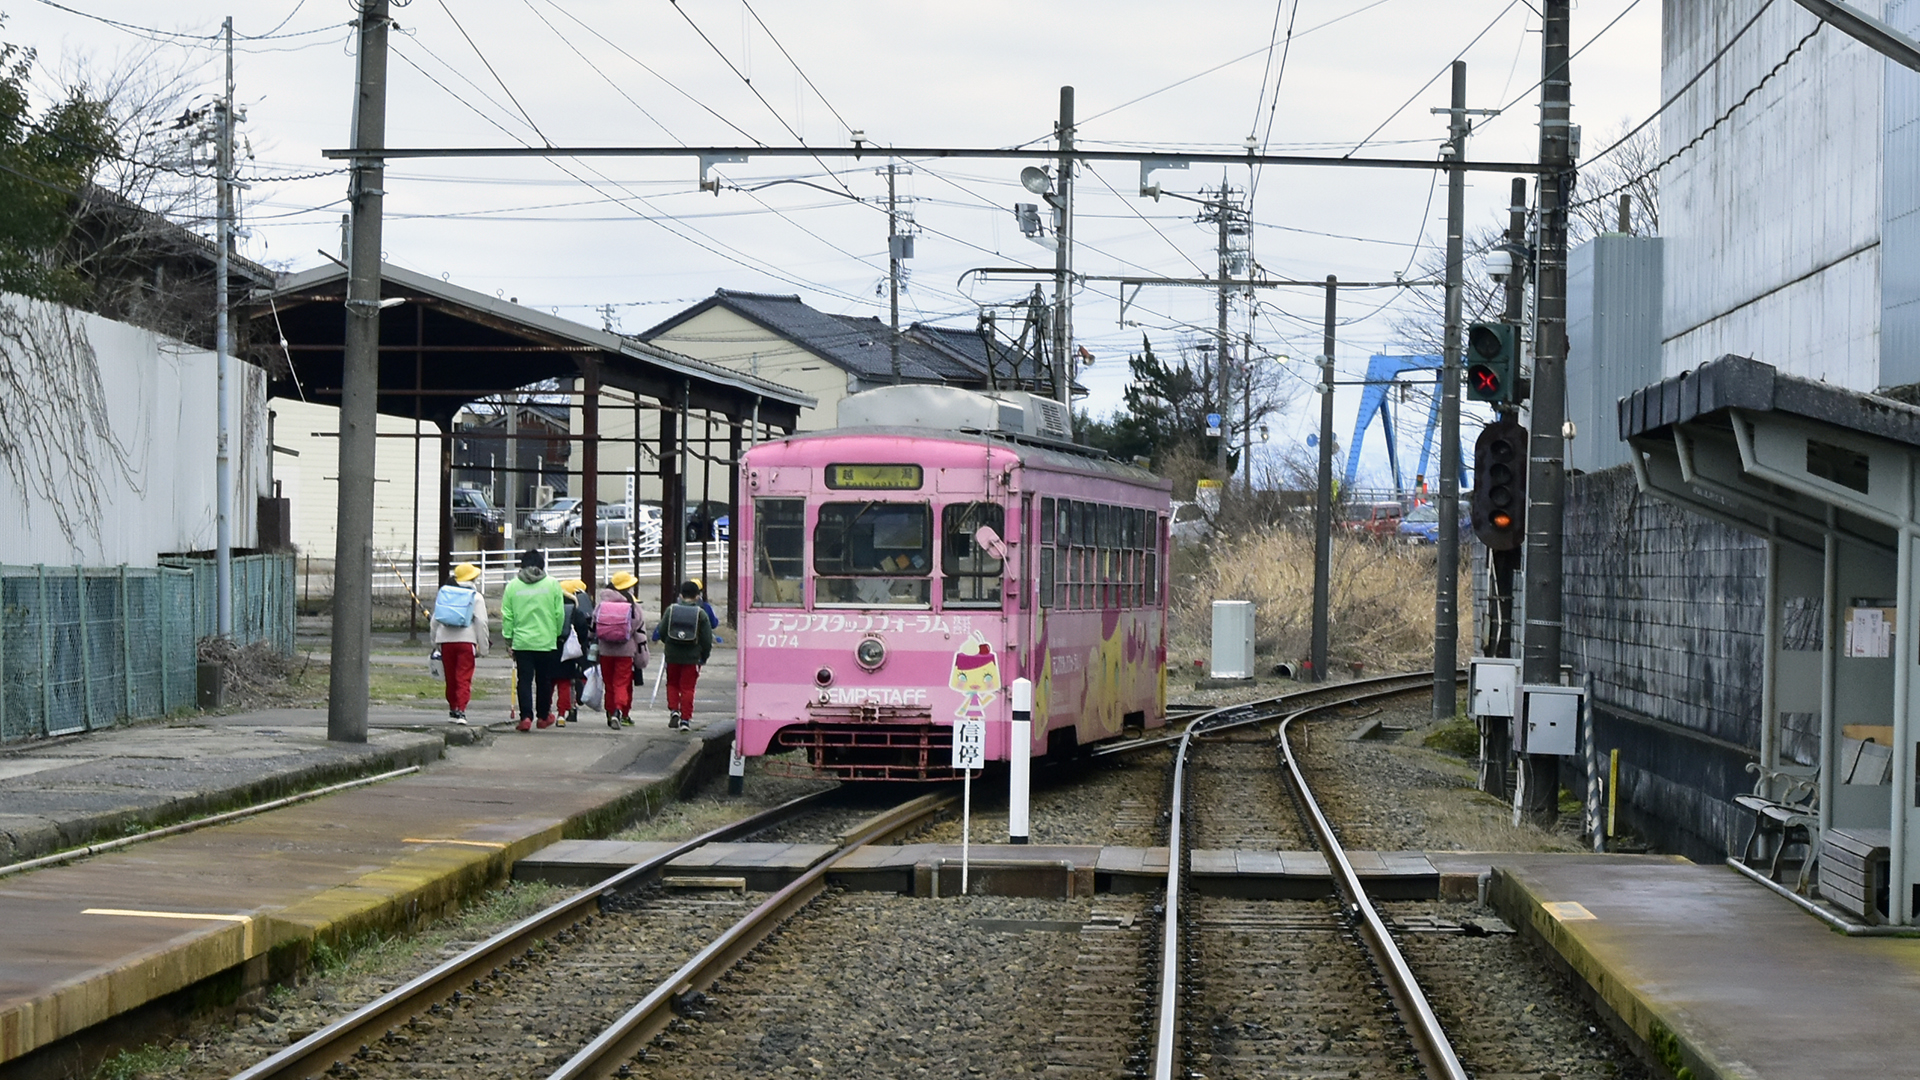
(617, 624)
(460, 634)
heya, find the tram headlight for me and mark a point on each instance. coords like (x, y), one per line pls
(824, 676)
(871, 653)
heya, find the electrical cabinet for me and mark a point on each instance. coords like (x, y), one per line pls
(1549, 721)
(1491, 682)
(1233, 639)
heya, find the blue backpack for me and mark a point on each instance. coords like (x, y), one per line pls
(453, 605)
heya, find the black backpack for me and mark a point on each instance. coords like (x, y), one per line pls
(683, 623)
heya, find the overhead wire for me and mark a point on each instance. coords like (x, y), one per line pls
(731, 66)
(1273, 108)
(1411, 98)
(771, 36)
(711, 244)
(643, 66)
(488, 64)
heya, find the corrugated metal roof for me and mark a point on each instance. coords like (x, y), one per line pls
(1738, 382)
(556, 326)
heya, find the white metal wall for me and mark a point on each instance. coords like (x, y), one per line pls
(1772, 222)
(312, 488)
(1613, 340)
(155, 477)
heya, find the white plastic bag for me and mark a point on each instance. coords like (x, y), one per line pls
(595, 690)
(433, 664)
(572, 650)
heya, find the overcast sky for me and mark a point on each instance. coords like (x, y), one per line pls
(637, 233)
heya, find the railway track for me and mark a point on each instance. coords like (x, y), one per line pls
(1282, 987)
(517, 1003)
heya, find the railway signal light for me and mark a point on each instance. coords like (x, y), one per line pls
(1493, 362)
(1500, 485)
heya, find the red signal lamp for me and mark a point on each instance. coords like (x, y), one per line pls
(1502, 520)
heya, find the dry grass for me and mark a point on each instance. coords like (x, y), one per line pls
(256, 676)
(1380, 611)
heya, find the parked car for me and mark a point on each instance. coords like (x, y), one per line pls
(555, 519)
(1190, 524)
(704, 520)
(1375, 521)
(613, 524)
(473, 513)
(1422, 525)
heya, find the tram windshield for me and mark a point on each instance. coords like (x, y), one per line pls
(779, 563)
(872, 553)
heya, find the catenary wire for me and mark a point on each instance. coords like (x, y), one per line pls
(1436, 77)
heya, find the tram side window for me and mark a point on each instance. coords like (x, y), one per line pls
(779, 559)
(1158, 524)
(1049, 533)
(872, 553)
(972, 576)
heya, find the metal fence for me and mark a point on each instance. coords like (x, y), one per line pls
(84, 647)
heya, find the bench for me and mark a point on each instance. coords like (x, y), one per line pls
(1785, 803)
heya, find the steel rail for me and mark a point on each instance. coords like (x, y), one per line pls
(628, 1035)
(340, 1039)
(1429, 1038)
(1430, 1041)
(1266, 710)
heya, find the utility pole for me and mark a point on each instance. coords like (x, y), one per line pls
(1246, 409)
(1220, 213)
(1323, 509)
(359, 394)
(1546, 479)
(1063, 257)
(1446, 578)
(893, 270)
(222, 349)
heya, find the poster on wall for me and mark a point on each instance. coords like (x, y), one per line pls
(1870, 626)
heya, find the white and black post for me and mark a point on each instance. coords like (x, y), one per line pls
(1019, 753)
(736, 763)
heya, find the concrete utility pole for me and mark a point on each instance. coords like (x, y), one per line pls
(222, 350)
(1063, 257)
(359, 394)
(1323, 508)
(1446, 578)
(893, 270)
(1546, 474)
(1221, 213)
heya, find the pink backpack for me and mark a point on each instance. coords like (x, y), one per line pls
(613, 622)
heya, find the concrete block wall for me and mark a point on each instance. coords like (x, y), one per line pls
(1664, 615)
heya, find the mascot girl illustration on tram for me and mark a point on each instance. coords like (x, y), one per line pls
(976, 674)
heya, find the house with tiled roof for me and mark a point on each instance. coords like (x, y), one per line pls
(829, 356)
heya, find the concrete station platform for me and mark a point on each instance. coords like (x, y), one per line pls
(1716, 974)
(146, 931)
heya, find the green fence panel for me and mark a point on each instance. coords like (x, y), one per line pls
(86, 647)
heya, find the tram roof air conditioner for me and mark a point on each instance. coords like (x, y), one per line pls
(950, 408)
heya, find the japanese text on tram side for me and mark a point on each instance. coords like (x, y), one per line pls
(861, 624)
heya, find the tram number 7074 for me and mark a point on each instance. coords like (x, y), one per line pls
(777, 641)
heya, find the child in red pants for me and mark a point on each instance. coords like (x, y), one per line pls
(687, 635)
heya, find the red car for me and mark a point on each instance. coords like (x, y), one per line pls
(1376, 521)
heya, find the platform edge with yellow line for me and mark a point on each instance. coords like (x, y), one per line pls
(423, 883)
(1557, 923)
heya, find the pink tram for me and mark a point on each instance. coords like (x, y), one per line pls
(910, 564)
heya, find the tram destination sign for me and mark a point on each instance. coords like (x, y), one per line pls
(874, 477)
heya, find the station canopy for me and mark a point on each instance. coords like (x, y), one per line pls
(443, 346)
(1774, 454)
